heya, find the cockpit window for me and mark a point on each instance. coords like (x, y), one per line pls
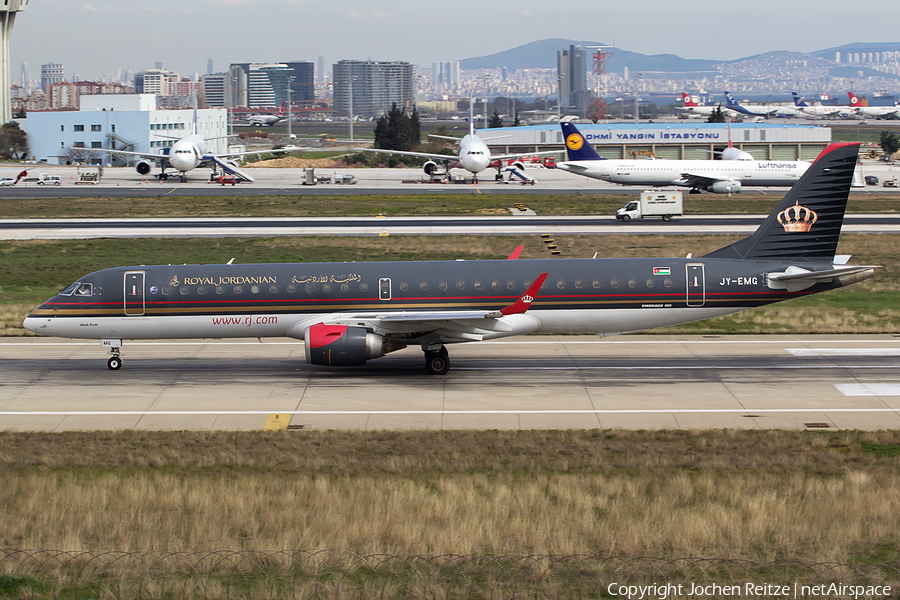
(84, 290)
(68, 291)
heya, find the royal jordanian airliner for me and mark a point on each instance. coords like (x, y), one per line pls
(348, 313)
(472, 153)
(716, 176)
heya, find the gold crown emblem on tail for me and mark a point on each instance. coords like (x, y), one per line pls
(797, 218)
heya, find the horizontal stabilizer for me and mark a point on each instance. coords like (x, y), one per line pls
(795, 279)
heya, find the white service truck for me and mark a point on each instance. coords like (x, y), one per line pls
(652, 204)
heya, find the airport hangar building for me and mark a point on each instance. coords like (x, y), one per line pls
(129, 122)
(680, 140)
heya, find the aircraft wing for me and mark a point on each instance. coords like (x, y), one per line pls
(234, 154)
(408, 153)
(698, 181)
(455, 326)
(521, 154)
(126, 153)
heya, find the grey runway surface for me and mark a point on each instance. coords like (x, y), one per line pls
(558, 382)
(25, 229)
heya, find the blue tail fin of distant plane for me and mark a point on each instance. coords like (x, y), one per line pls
(797, 100)
(577, 146)
(730, 102)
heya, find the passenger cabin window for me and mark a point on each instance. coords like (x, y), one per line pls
(364, 287)
(423, 286)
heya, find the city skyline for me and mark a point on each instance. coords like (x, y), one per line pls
(184, 35)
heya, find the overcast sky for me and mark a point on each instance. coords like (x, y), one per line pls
(92, 38)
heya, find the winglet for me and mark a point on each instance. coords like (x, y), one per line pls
(516, 253)
(522, 304)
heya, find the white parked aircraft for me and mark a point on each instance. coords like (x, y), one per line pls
(872, 111)
(268, 119)
(472, 154)
(716, 176)
(820, 110)
(186, 154)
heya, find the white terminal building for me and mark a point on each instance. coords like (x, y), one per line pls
(680, 140)
(122, 122)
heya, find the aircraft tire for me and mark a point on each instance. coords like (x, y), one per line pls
(437, 363)
(114, 363)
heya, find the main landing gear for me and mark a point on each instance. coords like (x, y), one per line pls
(437, 361)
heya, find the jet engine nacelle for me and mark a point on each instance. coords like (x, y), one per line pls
(344, 345)
(143, 167)
(429, 167)
(519, 165)
(731, 186)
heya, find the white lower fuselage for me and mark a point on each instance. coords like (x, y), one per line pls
(601, 321)
(671, 172)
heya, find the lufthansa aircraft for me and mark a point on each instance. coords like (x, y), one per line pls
(348, 313)
(716, 176)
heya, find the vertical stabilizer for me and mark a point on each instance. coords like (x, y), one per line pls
(472, 115)
(807, 222)
(798, 101)
(577, 146)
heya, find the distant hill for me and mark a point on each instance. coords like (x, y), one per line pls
(542, 55)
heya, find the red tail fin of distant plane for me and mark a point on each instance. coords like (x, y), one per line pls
(854, 101)
(687, 100)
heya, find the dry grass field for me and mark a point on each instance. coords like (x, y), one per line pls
(757, 495)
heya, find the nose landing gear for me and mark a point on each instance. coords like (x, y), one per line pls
(115, 347)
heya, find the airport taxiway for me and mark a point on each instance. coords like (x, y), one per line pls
(558, 382)
(124, 182)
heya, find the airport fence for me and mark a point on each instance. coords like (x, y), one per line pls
(337, 574)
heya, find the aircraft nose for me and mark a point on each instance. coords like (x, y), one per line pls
(181, 162)
(36, 324)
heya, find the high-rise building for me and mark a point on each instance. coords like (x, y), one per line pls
(209, 66)
(161, 82)
(303, 82)
(320, 66)
(267, 83)
(226, 89)
(51, 73)
(572, 74)
(374, 86)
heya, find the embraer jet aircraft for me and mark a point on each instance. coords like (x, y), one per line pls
(716, 176)
(472, 154)
(186, 154)
(348, 313)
